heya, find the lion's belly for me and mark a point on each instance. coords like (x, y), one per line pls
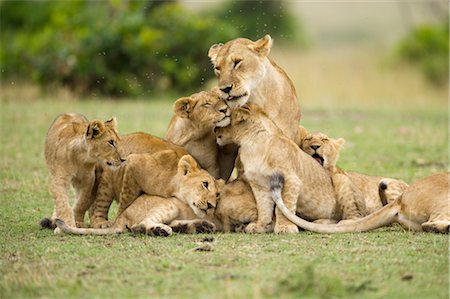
(317, 199)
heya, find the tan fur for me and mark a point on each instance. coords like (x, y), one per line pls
(357, 193)
(424, 206)
(156, 215)
(244, 66)
(192, 127)
(246, 74)
(237, 206)
(308, 191)
(109, 183)
(167, 174)
(73, 148)
(153, 215)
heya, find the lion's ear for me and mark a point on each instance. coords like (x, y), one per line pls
(183, 107)
(301, 135)
(263, 45)
(243, 113)
(187, 165)
(213, 51)
(220, 183)
(111, 123)
(339, 142)
(95, 129)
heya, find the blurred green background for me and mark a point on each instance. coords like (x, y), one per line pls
(141, 48)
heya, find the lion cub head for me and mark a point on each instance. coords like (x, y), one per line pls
(244, 120)
(323, 149)
(240, 64)
(203, 109)
(102, 142)
(199, 188)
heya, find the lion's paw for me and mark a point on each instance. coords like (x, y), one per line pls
(436, 226)
(102, 224)
(160, 230)
(255, 228)
(285, 229)
(154, 230)
(204, 226)
(80, 224)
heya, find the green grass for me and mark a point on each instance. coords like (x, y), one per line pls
(386, 263)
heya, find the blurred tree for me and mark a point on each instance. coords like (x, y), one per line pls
(109, 47)
(427, 46)
(254, 19)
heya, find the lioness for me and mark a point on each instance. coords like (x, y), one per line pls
(424, 206)
(192, 127)
(357, 193)
(263, 150)
(73, 147)
(246, 74)
(109, 182)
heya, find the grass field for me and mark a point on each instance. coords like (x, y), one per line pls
(407, 142)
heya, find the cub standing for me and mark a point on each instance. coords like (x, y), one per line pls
(73, 148)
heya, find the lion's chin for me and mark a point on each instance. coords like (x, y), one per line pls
(224, 122)
(238, 101)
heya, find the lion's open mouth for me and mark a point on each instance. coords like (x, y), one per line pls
(318, 158)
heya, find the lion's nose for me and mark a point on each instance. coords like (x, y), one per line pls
(227, 89)
(210, 206)
(122, 160)
(315, 147)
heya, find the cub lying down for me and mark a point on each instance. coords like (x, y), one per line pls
(155, 215)
(357, 193)
(422, 207)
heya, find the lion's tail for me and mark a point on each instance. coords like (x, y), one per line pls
(382, 217)
(87, 231)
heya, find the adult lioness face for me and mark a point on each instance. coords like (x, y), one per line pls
(240, 65)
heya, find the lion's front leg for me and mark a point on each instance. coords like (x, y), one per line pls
(290, 194)
(265, 206)
(130, 190)
(154, 223)
(59, 187)
(197, 226)
(103, 200)
(83, 188)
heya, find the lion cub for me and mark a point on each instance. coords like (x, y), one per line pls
(109, 184)
(265, 150)
(158, 216)
(423, 206)
(167, 174)
(357, 193)
(152, 215)
(73, 148)
(192, 128)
